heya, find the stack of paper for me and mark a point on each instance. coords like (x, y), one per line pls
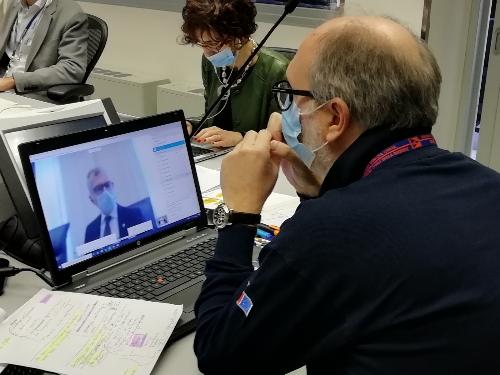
(73, 333)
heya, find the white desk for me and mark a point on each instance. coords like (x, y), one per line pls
(20, 99)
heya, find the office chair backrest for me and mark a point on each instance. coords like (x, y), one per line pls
(98, 36)
(70, 93)
(289, 53)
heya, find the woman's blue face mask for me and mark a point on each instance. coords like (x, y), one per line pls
(224, 57)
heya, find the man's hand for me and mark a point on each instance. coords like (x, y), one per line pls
(248, 174)
(297, 173)
(219, 137)
(7, 84)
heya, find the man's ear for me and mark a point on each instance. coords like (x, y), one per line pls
(340, 119)
(92, 199)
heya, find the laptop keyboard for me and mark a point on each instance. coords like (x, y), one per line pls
(197, 151)
(155, 281)
(21, 370)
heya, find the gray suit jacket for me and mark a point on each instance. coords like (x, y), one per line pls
(59, 49)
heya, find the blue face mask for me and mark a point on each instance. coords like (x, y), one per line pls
(224, 58)
(106, 201)
(291, 129)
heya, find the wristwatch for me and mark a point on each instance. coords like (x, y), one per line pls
(222, 216)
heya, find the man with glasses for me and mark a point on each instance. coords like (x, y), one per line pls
(380, 270)
(113, 218)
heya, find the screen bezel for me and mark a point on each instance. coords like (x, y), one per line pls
(63, 276)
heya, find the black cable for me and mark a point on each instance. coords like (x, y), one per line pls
(12, 271)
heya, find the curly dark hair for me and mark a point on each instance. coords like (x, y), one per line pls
(224, 20)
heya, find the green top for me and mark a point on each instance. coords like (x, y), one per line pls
(252, 101)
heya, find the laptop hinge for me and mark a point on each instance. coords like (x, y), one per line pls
(79, 276)
(191, 231)
(137, 253)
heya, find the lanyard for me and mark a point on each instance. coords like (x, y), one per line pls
(399, 148)
(28, 26)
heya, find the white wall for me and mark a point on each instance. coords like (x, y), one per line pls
(142, 40)
(489, 142)
(449, 36)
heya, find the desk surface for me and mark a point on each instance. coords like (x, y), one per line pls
(20, 99)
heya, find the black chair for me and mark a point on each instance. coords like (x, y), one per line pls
(69, 93)
(289, 53)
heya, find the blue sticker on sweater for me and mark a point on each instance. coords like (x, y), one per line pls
(244, 303)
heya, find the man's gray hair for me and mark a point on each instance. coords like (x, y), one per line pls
(94, 172)
(381, 86)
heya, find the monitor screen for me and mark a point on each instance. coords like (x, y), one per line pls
(99, 196)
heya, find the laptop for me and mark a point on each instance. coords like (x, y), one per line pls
(202, 152)
(121, 213)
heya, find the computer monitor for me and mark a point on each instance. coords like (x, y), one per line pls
(41, 124)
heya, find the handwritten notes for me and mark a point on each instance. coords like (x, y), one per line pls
(74, 333)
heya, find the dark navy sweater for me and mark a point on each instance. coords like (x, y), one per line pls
(396, 273)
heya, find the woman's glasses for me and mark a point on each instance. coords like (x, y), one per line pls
(210, 44)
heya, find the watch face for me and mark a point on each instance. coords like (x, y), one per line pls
(221, 216)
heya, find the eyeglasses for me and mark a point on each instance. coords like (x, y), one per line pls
(212, 45)
(98, 189)
(283, 94)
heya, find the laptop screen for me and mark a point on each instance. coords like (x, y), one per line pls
(101, 195)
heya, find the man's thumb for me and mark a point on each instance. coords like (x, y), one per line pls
(283, 151)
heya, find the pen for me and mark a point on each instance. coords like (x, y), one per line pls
(273, 229)
(264, 234)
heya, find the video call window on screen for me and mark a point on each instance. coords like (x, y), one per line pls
(101, 195)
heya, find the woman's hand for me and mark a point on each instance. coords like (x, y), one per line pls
(219, 137)
(189, 127)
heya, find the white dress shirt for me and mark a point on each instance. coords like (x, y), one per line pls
(113, 223)
(19, 47)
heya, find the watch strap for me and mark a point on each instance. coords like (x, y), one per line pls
(244, 218)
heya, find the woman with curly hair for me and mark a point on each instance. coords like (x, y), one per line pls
(223, 29)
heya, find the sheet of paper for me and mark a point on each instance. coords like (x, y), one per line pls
(207, 177)
(277, 209)
(212, 198)
(73, 333)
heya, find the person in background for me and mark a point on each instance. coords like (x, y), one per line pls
(43, 43)
(113, 218)
(223, 29)
(391, 263)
